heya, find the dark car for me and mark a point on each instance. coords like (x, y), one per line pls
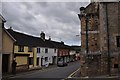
(61, 64)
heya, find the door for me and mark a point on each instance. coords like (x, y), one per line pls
(41, 61)
(5, 63)
(53, 59)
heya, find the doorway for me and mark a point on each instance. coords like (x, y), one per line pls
(5, 63)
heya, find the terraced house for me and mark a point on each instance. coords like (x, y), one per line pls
(46, 53)
(7, 48)
(34, 52)
(25, 50)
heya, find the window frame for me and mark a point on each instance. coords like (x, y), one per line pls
(55, 50)
(30, 49)
(37, 63)
(20, 48)
(46, 50)
(38, 50)
(118, 41)
(46, 59)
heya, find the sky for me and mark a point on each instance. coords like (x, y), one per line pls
(59, 20)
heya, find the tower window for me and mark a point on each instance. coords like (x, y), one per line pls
(118, 41)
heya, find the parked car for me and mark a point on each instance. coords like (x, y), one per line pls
(61, 64)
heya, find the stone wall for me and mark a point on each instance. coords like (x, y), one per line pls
(98, 64)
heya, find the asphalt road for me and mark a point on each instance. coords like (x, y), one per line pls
(57, 72)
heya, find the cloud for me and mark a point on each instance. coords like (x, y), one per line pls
(57, 19)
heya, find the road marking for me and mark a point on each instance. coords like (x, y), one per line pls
(70, 76)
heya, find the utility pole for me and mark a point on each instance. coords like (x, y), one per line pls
(108, 42)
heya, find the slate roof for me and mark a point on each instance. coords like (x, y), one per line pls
(2, 18)
(60, 45)
(28, 40)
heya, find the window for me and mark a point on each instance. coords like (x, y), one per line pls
(54, 50)
(115, 65)
(37, 61)
(46, 59)
(20, 48)
(118, 41)
(29, 49)
(46, 50)
(31, 61)
(38, 50)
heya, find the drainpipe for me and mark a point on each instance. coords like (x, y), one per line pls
(87, 41)
(108, 42)
(1, 48)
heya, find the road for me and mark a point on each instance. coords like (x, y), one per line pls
(57, 72)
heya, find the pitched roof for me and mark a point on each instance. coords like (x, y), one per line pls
(28, 40)
(2, 18)
(60, 45)
(9, 34)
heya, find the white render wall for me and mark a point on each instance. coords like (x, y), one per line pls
(42, 54)
(72, 52)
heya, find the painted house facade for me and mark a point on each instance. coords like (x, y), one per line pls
(24, 50)
(2, 20)
(46, 53)
(32, 52)
(7, 49)
(63, 54)
(35, 52)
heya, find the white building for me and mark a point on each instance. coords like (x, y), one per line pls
(46, 55)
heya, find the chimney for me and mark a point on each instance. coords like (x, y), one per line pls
(82, 10)
(10, 28)
(49, 38)
(42, 35)
(62, 42)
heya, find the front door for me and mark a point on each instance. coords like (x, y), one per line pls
(41, 61)
(5, 63)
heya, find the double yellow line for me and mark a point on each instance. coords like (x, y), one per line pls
(70, 76)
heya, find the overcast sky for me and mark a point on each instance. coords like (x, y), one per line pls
(57, 19)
